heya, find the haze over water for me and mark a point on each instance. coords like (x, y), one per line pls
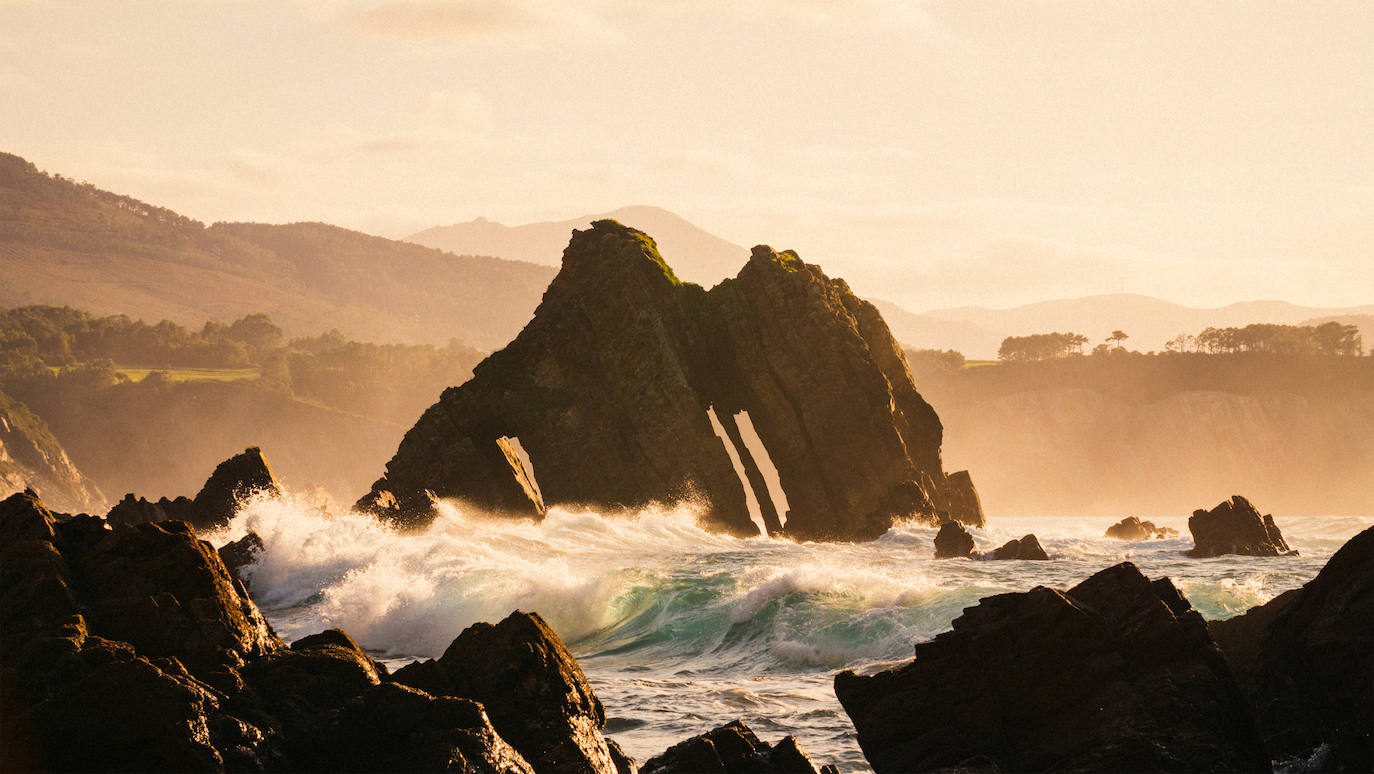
(680, 630)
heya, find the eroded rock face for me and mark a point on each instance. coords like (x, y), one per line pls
(1132, 528)
(953, 541)
(1116, 674)
(1027, 547)
(608, 387)
(1235, 527)
(532, 688)
(734, 749)
(1307, 660)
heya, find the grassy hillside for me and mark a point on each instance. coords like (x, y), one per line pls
(1127, 433)
(69, 243)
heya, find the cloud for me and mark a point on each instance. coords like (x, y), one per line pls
(520, 23)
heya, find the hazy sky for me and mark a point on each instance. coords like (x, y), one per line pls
(934, 153)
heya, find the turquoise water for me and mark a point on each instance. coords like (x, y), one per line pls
(680, 630)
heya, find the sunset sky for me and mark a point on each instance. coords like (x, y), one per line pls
(933, 153)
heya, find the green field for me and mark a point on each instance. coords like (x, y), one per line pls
(980, 363)
(193, 374)
(185, 374)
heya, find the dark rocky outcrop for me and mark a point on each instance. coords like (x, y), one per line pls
(1132, 528)
(513, 668)
(241, 553)
(132, 648)
(233, 480)
(953, 541)
(608, 389)
(1116, 674)
(1027, 547)
(1235, 527)
(734, 749)
(1307, 660)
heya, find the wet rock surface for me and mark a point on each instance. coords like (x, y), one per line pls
(607, 390)
(734, 749)
(132, 648)
(1235, 527)
(953, 541)
(1132, 528)
(1027, 547)
(1306, 658)
(1116, 674)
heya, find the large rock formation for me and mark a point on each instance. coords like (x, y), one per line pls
(1307, 660)
(133, 649)
(1235, 527)
(734, 749)
(233, 480)
(607, 391)
(1116, 674)
(32, 457)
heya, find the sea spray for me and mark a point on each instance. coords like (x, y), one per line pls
(680, 629)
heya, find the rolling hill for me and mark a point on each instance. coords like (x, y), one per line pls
(695, 254)
(65, 243)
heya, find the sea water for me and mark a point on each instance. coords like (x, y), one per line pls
(680, 630)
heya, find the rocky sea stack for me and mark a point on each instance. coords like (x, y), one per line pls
(606, 394)
(1235, 527)
(237, 478)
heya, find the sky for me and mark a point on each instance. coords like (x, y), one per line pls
(936, 154)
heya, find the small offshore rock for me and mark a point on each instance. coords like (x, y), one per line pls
(1132, 528)
(1027, 547)
(953, 541)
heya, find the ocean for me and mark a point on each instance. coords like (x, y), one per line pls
(680, 630)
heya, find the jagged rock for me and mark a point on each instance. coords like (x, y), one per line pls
(31, 456)
(241, 553)
(734, 749)
(1235, 527)
(1132, 528)
(1027, 547)
(238, 477)
(1307, 659)
(532, 688)
(953, 541)
(607, 390)
(1116, 674)
(131, 649)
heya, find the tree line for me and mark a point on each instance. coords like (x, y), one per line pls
(1329, 338)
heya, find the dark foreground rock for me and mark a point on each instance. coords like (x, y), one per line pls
(953, 541)
(241, 553)
(232, 481)
(734, 749)
(1027, 547)
(607, 391)
(1132, 528)
(1307, 660)
(1235, 527)
(132, 648)
(1116, 674)
(511, 668)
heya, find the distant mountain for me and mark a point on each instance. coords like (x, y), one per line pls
(923, 331)
(66, 243)
(1150, 322)
(695, 254)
